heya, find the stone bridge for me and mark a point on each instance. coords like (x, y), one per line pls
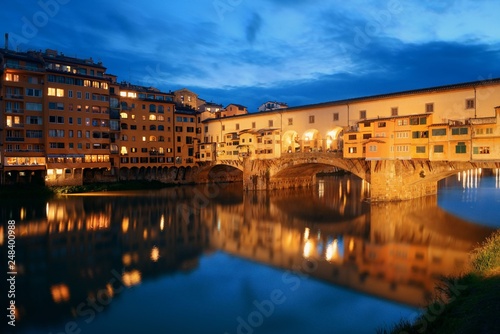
(390, 180)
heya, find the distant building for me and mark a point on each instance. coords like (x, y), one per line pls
(272, 105)
(233, 110)
(184, 98)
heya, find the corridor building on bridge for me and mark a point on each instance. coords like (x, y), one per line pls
(447, 123)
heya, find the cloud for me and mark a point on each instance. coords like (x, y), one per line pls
(253, 27)
(300, 51)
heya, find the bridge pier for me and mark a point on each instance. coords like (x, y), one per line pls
(399, 180)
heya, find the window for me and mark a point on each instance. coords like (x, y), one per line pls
(429, 107)
(438, 132)
(362, 114)
(87, 96)
(459, 131)
(33, 106)
(382, 124)
(372, 148)
(55, 92)
(470, 104)
(438, 148)
(402, 134)
(253, 126)
(290, 121)
(311, 119)
(394, 111)
(352, 137)
(78, 95)
(237, 126)
(11, 77)
(70, 93)
(489, 131)
(461, 148)
(33, 92)
(402, 122)
(419, 134)
(352, 150)
(335, 116)
(223, 128)
(481, 150)
(420, 149)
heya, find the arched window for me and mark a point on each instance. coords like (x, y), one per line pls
(161, 138)
(152, 138)
(123, 115)
(161, 128)
(152, 117)
(152, 127)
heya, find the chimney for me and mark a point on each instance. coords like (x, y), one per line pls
(6, 41)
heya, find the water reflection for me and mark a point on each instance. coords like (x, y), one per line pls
(79, 251)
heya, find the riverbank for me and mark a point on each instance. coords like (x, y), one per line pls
(466, 304)
(30, 190)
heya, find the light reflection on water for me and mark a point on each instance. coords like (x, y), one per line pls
(213, 253)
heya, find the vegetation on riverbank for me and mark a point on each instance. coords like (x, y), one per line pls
(466, 304)
(115, 186)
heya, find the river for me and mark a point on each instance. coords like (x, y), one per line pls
(211, 259)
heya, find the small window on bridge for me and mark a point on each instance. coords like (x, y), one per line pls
(438, 132)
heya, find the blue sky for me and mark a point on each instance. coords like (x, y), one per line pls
(248, 52)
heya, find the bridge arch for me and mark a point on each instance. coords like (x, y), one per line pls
(334, 139)
(290, 141)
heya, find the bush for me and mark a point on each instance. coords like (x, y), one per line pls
(486, 258)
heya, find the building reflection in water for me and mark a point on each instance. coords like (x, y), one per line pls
(70, 250)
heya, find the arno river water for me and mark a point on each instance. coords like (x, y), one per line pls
(211, 259)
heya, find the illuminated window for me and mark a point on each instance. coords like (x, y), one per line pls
(11, 77)
(123, 150)
(51, 92)
(152, 117)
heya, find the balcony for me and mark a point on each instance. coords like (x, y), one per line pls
(14, 111)
(14, 96)
(15, 139)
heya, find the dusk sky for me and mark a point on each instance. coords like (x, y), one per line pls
(248, 52)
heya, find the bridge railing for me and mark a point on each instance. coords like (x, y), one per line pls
(316, 154)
